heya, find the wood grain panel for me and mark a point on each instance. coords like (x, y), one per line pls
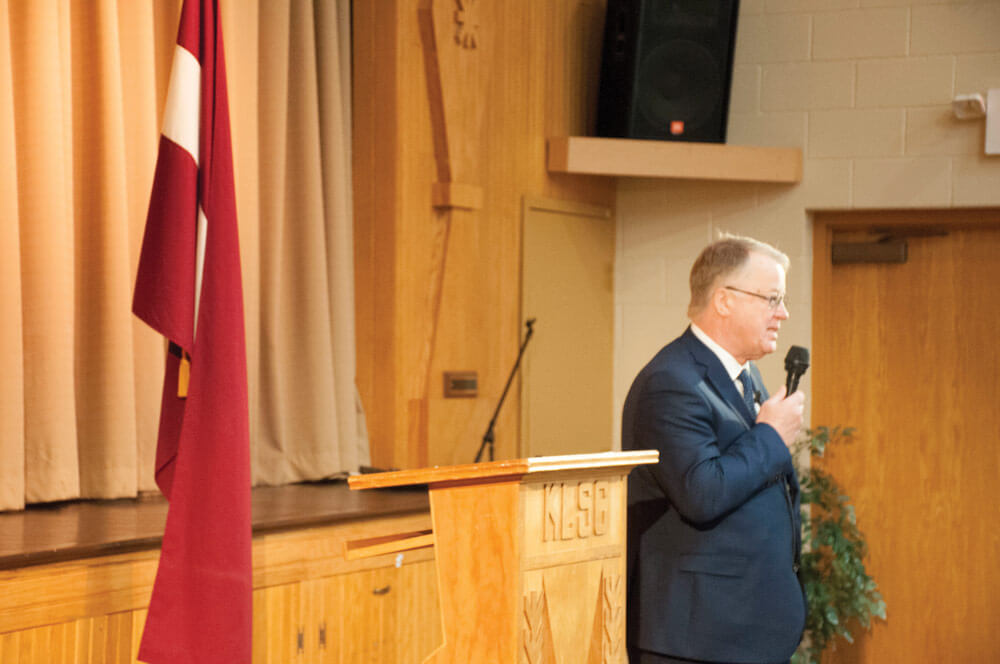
(374, 116)
(97, 640)
(416, 638)
(326, 604)
(277, 619)
(92, 610)
(138, 622)
(318, 552)
(379, 615)
(485, 514)
(908, 355)
(61, 592)
(365, 621)
(10, 647)
(572, 594)
(439, 291)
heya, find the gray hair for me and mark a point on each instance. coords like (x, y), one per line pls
(722, 259)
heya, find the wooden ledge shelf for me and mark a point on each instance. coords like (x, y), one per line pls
(624, 157)
(75, 530)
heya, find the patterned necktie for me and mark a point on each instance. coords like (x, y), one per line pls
(748, 392)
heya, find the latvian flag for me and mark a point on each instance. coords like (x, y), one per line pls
(188, 288)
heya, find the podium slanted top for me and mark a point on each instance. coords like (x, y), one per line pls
(506, 470)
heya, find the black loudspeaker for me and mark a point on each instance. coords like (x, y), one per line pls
(666, 69)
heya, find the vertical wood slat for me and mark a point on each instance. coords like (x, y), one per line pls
(65, 636)
(97, 633)
(122, 632)
(373, 149)
(27, 650)
(138, 622)
(362, 622)
(417, 638)
(277, 619)
(326, 600)
(10, 648)
(41, 644)
(308, 621)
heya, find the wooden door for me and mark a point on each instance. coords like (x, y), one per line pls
(907, 353)
(567, 285)
(417, 621)
(277, 622)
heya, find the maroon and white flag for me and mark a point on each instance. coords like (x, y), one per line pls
(189, 289)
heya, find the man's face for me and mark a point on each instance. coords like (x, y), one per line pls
(755, 322)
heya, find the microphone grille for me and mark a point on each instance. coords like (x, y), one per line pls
(797, 358)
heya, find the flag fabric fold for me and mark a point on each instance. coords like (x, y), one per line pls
(188, 288)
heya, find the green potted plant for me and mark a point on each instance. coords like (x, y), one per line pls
(839, 591)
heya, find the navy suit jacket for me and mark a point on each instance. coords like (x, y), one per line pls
(714, 532)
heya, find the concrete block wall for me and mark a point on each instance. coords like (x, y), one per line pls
(864, 87)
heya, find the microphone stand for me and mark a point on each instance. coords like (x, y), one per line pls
(488, 436)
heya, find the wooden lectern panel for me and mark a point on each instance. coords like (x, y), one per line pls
(530, 556)
(476, 556)
(573, 569)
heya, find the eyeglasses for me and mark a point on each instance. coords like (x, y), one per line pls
(773, 301)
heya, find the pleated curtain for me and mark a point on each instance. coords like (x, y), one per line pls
(82, 86)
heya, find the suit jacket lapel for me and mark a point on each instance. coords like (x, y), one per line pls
(716, 374)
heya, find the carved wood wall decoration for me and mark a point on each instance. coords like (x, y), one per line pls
(457, 90)
(467, 23)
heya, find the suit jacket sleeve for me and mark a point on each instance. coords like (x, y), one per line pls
(711, 460)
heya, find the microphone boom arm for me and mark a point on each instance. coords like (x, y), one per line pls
(488, 436)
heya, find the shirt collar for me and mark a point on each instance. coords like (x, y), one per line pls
(729, 363)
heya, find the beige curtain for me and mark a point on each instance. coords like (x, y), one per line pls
(82, 85)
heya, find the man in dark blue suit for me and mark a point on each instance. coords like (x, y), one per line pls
(714, 527)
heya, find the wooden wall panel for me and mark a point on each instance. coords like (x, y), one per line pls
(375, 202)
(98, 640)
(92, 611)
(138, 623)
(418, 638)
(325, 600)
(452, 301)
(277, 618)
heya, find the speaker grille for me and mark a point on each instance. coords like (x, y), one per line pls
(678, 81)
(666, 69)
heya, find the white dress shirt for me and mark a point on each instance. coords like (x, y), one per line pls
(732, 367)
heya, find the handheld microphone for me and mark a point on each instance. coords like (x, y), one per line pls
(796, 363)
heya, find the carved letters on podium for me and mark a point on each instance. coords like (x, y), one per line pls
(575, 510)
(573, 594)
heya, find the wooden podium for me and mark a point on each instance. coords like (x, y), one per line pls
(530, 556)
